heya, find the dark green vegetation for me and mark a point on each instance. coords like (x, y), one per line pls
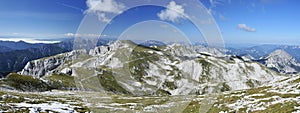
(28, 83)
(296, 81)
(61, 81)
(138, 61)
(225, 87)
(206, 69)
(109, 83)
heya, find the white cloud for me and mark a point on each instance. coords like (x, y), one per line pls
(102, 7)
(81, 35)
(173, 12)
(28, 40)
(84, 35)
(246, 28)
(69, 34)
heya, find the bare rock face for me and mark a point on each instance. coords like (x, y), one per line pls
(46, 66)
(140, 70)
(60, 63)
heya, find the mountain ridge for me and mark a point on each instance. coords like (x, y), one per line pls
(167, 70)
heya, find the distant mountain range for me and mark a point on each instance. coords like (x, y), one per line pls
(15, 58)
(262, 50)
(20, 45)
(15, 55)
(153, 43)
(4, 49)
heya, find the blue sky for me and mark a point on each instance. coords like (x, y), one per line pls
(240, 21)
(38, 18)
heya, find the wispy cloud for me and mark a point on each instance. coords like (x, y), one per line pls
(246, 28)
(173, 12)
(222, 17)
(70, 6)
(214, 4)
(270, 1)
(31, 35)
(102, 7)
(37, 15)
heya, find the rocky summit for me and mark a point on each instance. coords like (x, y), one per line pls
(281, 61)
(124, 67)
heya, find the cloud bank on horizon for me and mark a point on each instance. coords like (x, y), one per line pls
(31, 41)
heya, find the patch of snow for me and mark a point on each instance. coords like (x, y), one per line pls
(54, 106)
(115, 63)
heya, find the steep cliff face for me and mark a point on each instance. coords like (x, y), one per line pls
(47, 66)
(124, 67)
(61, 63)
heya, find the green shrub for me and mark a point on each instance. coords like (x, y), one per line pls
(61, 81)
(109, 83)
(26, 83)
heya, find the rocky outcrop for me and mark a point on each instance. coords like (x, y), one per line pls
(61, 63)
(46, 66)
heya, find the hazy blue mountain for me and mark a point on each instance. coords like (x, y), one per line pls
(21, 45)
(4, 49)
(262, 50)
(149, 43)
(15, 60)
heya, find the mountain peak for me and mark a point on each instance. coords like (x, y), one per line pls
(282, 62)
(280, 53)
